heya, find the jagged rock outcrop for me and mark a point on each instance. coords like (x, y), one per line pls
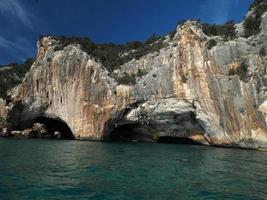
(213, 96)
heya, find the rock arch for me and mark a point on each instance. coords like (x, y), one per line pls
(164, 120)
(57, 127)
(22, 117)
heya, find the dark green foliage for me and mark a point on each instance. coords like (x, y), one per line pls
(256, 4)
(252, 26)
(262, 52)
(21, 69)
(145, 49)
(211, 43)
(226, 30)
(133, 45)
(252, 23)
(10, 77)
(113, 55)
(86, 43)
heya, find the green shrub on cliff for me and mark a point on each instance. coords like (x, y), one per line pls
(13, 75)
(252, 26)
(259, 6)
(227, 29)
(211, 43)
(252, 23)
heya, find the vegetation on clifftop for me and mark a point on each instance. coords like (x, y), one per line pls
(113, 55)
(12, 75)
(252, 22)
(226, 30)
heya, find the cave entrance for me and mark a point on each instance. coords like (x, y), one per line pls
(177, 140)
(161, 127)
(122, 132)
(128, 131)
(57, 126)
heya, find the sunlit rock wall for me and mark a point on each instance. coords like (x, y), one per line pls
(215, 96)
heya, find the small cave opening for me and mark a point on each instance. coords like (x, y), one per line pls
(56, 128)
(137, 132)
(158, 129)
(121, 132)
(130, 132)
(177, 140)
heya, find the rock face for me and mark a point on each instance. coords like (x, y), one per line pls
(185, 90)
(3, 115)
(3, 110)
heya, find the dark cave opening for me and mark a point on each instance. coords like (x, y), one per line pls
(129, 132)
(122, 132)
(136, 132)
(158, 129)
(55, 125)
(177, 140)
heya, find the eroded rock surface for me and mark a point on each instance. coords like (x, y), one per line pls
(215, 96)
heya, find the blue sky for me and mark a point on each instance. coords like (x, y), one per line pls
(118, 21)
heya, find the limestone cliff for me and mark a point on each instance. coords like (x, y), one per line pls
(213, 96)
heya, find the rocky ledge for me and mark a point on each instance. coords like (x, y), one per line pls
(186, 91)
(36, 131)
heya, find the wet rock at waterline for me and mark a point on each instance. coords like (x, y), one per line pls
(27, 132)
(57, 135)
(36, 131)
(5, 132)
(16, 133)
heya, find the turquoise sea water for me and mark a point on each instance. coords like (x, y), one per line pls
(47, 169)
